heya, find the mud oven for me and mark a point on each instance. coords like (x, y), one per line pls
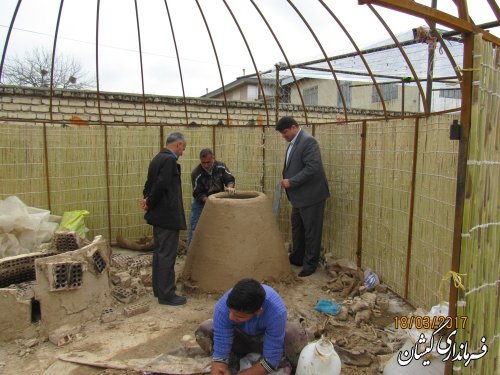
(59, 286)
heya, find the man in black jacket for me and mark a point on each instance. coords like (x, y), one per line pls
(165, 212)
(209, 177)
(306, 187)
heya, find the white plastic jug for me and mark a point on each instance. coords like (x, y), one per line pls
(318, 358)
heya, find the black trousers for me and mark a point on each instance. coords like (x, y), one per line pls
(164, 255)
(307, 229)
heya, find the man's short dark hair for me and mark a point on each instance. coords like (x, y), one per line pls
(285, 123)
(205, 152)
(247, 296)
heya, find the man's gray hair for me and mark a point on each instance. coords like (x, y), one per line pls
(174, 137)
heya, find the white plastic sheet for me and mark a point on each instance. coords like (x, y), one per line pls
(23, 228)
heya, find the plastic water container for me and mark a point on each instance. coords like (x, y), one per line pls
(371, 279)
(319, 358)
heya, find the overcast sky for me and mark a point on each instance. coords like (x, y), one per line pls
(119, 63)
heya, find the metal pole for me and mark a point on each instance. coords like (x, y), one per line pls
(359, 249)
(403, 98)
(430, 63)
(412, 206)
(277, 92)
(463, 148)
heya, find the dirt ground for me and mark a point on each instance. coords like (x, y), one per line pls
(164, 331)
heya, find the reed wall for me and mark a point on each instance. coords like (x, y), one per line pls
(102, 168)
(479, 300)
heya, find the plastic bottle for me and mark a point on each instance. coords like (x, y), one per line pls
(371, 279)
(318, 358)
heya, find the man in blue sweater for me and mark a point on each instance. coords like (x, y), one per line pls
(251, 318)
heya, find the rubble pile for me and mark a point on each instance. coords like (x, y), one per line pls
(130, 276)
(361, 330)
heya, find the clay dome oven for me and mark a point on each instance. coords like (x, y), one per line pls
(236, 237)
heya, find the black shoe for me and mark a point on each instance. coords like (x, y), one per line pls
(175, 300)
(305, 273)
(293, 261)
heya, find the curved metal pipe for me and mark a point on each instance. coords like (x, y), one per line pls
(495, 8)
(54, 59)
(286, 59)
(261, 87)
(360, 54)
(178, 62)
(463, 11)
(217, 59)
(98, 93)
(326, 59)
(11, 26)
(405, 56)
(99, 112)
(140, 61)
(46, 153)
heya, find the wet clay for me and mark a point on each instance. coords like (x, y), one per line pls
(236, 237)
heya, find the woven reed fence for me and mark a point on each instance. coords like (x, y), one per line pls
(392, 183)
(107, 178)
(480, 250)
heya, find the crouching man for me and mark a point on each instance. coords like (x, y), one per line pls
(251, 318)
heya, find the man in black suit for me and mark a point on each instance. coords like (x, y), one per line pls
(165, 212)
(306, 187)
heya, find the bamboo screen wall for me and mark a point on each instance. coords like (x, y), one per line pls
(80, 176)
(480, 253)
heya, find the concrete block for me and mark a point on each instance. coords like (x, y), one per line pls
(135, 309)
(11, 107)
(125, 279)
(108, 315)
(123, 295)
(63, 335)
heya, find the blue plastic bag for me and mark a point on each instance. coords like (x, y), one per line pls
(328, 306)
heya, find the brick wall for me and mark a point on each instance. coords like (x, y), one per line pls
(82, 107)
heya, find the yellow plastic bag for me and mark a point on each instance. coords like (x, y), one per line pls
(74, 221)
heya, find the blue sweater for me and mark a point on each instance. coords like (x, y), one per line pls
(270, 324)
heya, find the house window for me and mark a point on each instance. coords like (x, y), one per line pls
(450, 93)
(311, 96)
(389, 92)
(286, 94)
(345, 88)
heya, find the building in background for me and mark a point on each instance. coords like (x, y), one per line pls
(314, 84)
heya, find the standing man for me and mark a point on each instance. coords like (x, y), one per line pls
(251, 318)
(209, 177)
(165, 212)
(306, 187)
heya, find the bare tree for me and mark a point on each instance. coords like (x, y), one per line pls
(33, 69)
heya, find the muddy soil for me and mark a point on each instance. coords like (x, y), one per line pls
(364, 346)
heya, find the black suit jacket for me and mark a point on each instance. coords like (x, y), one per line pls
(305, 172)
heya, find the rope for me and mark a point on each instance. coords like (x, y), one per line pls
(457, 280)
